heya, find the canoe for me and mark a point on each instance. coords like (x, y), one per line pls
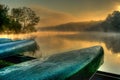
(16, 47)
(5, 40)
(72, 65)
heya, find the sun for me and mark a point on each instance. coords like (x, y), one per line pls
(118, 8)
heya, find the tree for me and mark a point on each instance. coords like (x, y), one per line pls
(14, 26)
(4, 20)
(20, 20)
(114, 20)
(26, 17)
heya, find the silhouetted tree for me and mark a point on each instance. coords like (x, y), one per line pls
(20, 20)
(15, 26)
(26, 17)
(4, 20)
(114, 20)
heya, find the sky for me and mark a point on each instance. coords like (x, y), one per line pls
(55, 12)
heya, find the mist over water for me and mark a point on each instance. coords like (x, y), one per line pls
(57, 42)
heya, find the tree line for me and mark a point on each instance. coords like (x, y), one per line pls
(17, 20)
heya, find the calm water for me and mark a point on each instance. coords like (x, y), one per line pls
(56, 42)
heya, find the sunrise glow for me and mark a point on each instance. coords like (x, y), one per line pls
(118, 8)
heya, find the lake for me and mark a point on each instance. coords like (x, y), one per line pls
(57, 42)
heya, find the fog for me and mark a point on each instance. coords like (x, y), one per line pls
(57, 42)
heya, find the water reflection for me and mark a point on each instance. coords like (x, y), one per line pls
(56, 42)
(111, 40)
(53, 44)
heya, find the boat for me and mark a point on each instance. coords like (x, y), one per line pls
(5, 40)
(71, 65)
(9, 48)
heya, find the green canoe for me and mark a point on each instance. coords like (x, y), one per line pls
(73, 65)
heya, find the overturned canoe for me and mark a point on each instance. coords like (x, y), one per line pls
(72, 65)
(5, 40)
(16, 47)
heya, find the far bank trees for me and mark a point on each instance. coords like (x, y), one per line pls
(113, 20)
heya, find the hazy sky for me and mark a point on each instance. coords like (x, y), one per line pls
(53, 12)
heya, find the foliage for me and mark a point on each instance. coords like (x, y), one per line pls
(15, 26)
(4, 20)
(114, 20)
(21, 20)
(26, 17)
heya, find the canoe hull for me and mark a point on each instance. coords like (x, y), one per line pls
(5, 40)
(16, 47)
(72, 65)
